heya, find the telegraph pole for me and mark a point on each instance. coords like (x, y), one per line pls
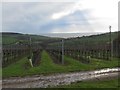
(62, 51)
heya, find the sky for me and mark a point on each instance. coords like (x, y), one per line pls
(60, 16)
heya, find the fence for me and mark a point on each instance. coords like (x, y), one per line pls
(80, 52)
(13, 53)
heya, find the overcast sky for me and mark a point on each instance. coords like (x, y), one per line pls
(77, 16)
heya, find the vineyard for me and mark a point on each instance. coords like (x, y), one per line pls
(59, 44)
(59, 50)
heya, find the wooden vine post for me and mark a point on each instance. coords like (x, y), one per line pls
(62, 51)
(30, 57)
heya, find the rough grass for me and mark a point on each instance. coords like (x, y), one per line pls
(0, 72)
(92, 39)
(8, 40)
(46, 66)
(113, 83)
(99, 63)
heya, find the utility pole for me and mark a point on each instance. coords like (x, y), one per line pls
(111, 50)
(62, 51)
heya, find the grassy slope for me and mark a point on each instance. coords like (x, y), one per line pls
(47, 66)
(113, 83)
(8, 40)
(93, 39)
(11, 38)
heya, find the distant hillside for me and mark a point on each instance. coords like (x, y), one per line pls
(12, 38)
(92, 39)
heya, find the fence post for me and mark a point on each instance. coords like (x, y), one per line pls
(62, 51)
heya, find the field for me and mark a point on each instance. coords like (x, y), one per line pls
(46, 66)
(13, 38)
(85, 53)
(8, 40)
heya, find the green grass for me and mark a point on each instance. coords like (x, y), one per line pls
(99, 63)
(47, 66)
(113, 83)
(15, 69)
(11, 38)
(92, 39)
(0, 72)
(8, 40)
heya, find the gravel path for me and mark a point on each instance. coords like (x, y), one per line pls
(38, 81)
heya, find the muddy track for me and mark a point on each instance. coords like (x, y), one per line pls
(38, 81)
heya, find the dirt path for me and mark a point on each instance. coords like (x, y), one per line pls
(38, 81)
